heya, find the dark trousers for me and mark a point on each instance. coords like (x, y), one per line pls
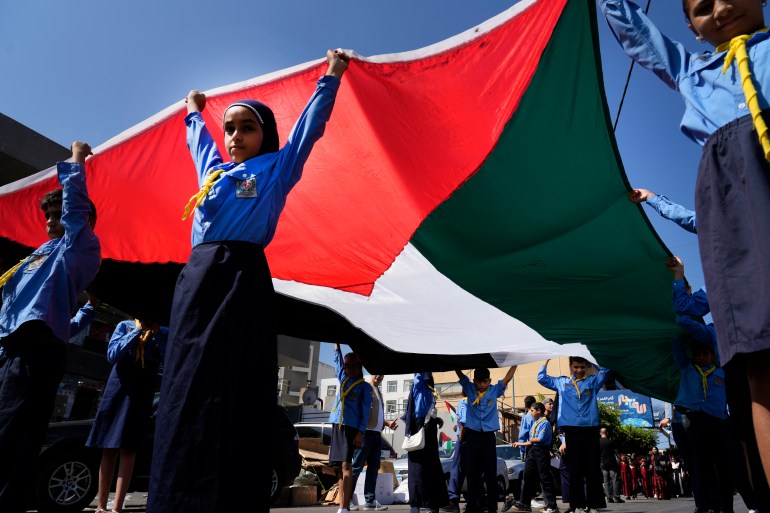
(538, 464)
(368, 454)
(30, 372)
(611, 482)
(742, 426)
(712, 474)
(480, 460)
(564, 476)
(584, 466)
(457, 475)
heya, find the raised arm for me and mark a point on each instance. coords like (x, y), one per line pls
(76, 206)
(674, 212)
(123, 341)
(509, 375)
(339, 364)
(544, 379)
(202, 147)
(644, 43)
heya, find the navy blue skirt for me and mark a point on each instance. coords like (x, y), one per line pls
(732, 201)
(220, 372)
(123, 417)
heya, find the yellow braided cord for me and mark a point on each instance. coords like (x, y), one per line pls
(737, 50)
(704, 376)
(10, 272)
(574, 384)
(197, 198)
(343, 394)
(143, 338)
(480, 397)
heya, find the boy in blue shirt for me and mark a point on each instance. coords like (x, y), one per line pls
(578, 419)
(538, 462)
(725, 92)
(350, 416)
(39, 299)
(478, 445)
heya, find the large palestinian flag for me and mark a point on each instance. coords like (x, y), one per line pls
(466, 207)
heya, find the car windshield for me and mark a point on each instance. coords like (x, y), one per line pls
(508, 452)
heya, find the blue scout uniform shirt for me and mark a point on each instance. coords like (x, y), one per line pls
(574, 410)
(705, 333)
(674, 212)
(691, 394)
(685, 304)
(526, 425)
(358, 400)
(542, 431)
(83, 318)
(247, 198)
(424, 400)
(78, 323)
(712, 99)
(482, 416)
(462, 408)
(47, 285)
(125, 340)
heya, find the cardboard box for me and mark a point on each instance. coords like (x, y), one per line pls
(386, 467)
(304, 495)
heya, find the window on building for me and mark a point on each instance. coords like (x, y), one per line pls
(408, 385)
(404, 403)
(390, 406)
(332, 390)
(392, 386)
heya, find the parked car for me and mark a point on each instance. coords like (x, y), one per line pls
(68, 472)
(317, 437)
(515, 468)
(400, 466)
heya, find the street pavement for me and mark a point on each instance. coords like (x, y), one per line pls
(136, 501)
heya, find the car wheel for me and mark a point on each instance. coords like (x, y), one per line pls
(67, 482)
(501, 488)
(276, 485)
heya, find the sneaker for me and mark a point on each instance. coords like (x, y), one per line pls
(591, 510)
(376, 506)
(551, 509)
(610, 500)
(452, 507)
(521, 507)
(508, 504)
(536, 503)
(618, 500)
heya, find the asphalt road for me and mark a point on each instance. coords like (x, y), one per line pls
(135, 503)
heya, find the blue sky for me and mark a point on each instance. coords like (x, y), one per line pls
(89, 69)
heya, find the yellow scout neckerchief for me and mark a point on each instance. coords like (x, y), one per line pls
(704, 375)
(7, 275)
(575, 384)
(143, 338)
(197, 198)
(343, 394)
(435, 395)
(534, 427)
(736, 48)
(479, 397)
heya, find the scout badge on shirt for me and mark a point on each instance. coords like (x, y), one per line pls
(718, 382)
(34, 262)
(246, 188)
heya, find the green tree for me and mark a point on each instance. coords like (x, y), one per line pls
(628, 438)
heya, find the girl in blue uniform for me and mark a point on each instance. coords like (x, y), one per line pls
(136, 351)
(222, 352)
(726, 102)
